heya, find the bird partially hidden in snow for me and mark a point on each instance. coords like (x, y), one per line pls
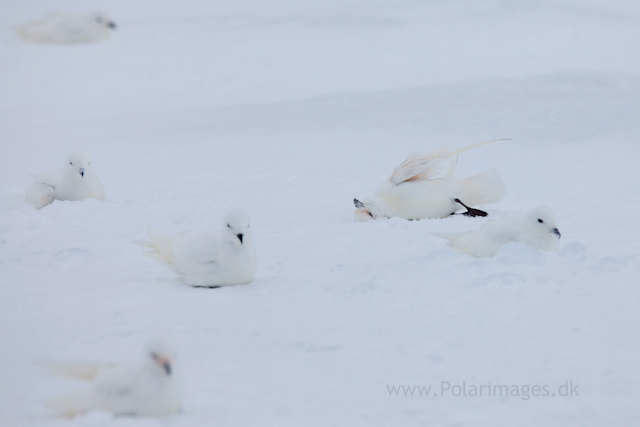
(414, 191)
(538, 229)
(208, 258)
(149, 387)
(64, 28)
(75, 181)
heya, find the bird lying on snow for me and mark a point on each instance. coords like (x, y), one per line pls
(208, 258)
(538, 228)
(68, 28)
(75, 181)
(414, 192)
(148, 387)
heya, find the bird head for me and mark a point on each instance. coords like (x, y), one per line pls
(162, 356)
(236, 227)
(103, 19)
(543, 220)
(365, 211)
(79, 161)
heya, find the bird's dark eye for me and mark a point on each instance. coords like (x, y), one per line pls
(370, 214)
(228, 226)
(71, 163)
(540, 221)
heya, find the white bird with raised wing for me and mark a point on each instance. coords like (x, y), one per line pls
(413, 191)
(208, 258)
(149, 387)
(538, 229)
(75, 181)
(64, 28)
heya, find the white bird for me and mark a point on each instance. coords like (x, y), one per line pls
(68, 28)
(148, 387)
(414, 192)
(208, 258)
(538, 229)
(76, 180)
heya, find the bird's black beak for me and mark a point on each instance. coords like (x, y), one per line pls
(167, 368)
(81, 172)
(556, 232)
(112, 25)
(162, 361)
(239, 236)
(358, 203)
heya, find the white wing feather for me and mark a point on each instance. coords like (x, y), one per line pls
(422, 166)
(85, 371)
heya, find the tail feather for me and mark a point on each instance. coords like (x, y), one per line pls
(160, 243)
(483, 188)
(161, 259)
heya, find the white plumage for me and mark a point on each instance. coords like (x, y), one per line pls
(149, 387)
(76, 180)
(208, 258)
(538, 229)
(68, 28)
(414, 192)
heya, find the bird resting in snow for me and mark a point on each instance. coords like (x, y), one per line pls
(538, 229)
(64, 28)
(413, 191)
(149, 387)
(208, 258)
(75, 181)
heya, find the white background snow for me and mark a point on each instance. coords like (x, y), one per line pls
(289, 110)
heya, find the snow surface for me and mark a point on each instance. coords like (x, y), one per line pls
(289, 110)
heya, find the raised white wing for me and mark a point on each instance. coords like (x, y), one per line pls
(422, 166)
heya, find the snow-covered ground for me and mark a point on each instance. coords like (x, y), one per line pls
(289, 110)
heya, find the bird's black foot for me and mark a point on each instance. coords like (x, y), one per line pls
(470, 211)
(207, 287)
